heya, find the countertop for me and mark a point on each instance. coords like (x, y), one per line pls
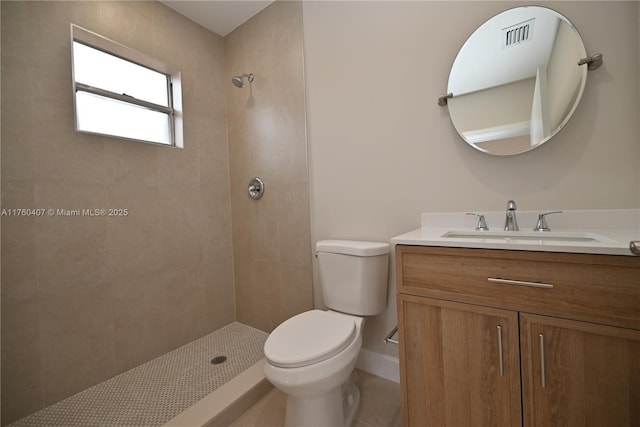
(612, 229)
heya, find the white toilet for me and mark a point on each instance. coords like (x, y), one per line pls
(311, 356)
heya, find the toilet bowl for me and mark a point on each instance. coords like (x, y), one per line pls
(310, 356)
(315, 377)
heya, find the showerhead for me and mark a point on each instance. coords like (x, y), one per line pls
(238, 81)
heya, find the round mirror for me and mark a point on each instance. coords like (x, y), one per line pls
(516, 81)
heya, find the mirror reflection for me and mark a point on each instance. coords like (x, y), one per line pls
(516, 81)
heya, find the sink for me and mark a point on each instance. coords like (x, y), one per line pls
(546, 236)
(603, 232)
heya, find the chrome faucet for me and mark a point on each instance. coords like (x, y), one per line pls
(510, 222)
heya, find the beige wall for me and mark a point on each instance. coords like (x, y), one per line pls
(271, 236)
(381, 150)
(86, 298)
(510, 103)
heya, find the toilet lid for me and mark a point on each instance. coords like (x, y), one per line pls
(308, 338)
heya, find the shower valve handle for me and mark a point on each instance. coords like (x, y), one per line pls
(256, 188)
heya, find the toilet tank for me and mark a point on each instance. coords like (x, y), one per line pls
(354, 275)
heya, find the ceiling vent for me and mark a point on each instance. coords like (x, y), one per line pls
(519, 33)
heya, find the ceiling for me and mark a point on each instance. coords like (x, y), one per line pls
(219, 16)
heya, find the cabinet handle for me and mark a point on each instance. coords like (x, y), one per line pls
(520, 283)
(543, 375)
(500, 357)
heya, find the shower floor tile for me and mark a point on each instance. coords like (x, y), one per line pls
(155, 392)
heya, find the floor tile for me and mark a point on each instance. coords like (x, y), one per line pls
(379, 405)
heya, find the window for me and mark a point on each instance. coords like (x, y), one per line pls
(121, 92)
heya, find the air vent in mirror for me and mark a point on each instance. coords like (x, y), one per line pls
(518, 33)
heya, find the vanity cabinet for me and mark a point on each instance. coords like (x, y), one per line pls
(511, 338)
(460, 364)
(590, 375)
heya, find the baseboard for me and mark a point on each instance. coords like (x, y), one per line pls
(381, 365)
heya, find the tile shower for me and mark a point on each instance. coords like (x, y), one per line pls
(155, 392)
(86, 299)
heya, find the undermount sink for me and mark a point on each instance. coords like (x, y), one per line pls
(546, 236)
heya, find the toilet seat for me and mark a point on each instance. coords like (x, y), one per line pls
(308, 338)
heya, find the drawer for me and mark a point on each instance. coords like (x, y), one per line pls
(595, 288)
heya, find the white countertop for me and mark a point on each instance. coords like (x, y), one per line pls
(612, 230)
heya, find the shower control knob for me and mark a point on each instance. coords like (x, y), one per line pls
(256, 188)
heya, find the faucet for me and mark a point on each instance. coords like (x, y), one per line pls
(510, 222)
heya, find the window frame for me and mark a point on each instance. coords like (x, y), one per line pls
(174, 85)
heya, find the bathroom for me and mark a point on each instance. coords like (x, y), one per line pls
(341, 122)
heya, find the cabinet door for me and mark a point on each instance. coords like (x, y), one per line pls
(459, 364)
(579, 374)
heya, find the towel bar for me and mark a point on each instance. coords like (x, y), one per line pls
(388, 338)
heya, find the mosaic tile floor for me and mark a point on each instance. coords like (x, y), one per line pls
(155, 392)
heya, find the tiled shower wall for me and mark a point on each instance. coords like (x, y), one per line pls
(266, 120)
(86, 298)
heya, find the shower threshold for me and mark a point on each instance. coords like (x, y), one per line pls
(182, 387)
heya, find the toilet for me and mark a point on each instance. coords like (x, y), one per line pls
(310, 356)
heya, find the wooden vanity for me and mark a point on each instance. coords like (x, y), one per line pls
(492, 337)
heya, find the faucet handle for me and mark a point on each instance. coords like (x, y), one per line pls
(482, 224)
(541, 225)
